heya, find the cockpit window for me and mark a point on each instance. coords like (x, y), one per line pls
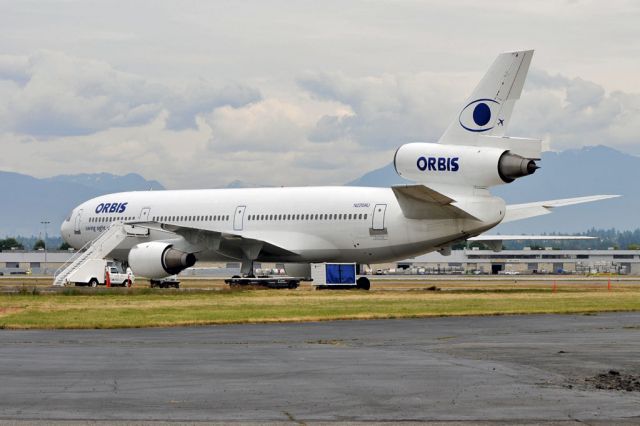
(69, 216)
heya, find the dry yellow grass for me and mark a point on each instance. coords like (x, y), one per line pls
(143, 307)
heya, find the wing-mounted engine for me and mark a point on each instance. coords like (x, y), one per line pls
(158, 259)
(459, 165)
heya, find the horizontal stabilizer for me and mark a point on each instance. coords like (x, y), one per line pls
(524, 211)
(528, 237)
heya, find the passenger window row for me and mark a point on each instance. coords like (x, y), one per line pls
(103, 219)
(265, 217)
(316, 216)
(251, 217)
(210, 218)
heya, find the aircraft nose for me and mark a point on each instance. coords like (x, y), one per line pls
(65, 231)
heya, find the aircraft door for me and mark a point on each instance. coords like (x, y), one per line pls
(238, 218)
(76, 228)
(144, 214)
(378, 216)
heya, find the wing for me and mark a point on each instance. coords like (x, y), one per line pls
(524, 211)
(232, 245)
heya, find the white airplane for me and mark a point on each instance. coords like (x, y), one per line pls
(169, 231)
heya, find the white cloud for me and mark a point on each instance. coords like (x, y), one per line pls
(285, 93)
(387, 110)
(270, 125)
(51, 94)
(330, 129)
(196, 99)
(14, 69)
(572, 112)
(56, 95)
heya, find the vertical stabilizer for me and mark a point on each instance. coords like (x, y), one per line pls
(488, 110)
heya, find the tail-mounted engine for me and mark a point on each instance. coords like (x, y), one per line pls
(460, 165)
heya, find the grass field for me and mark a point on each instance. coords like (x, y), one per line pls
(142, 307)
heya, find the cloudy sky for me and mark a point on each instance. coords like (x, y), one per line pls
(198, 94)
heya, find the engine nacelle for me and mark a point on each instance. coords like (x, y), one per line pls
(157, 260)
(460, 165)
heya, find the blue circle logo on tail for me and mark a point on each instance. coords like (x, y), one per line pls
(476, 115)
(481, 114)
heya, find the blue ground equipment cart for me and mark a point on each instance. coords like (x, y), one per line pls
(337, 276)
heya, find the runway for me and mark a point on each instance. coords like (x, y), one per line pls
(515, 369)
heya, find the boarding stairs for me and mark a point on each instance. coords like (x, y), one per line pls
(95, 249)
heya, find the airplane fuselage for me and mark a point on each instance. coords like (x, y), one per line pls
(313, 224)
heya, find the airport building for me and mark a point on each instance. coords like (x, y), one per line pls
(20, 262)
(527, 261)
(471, 261)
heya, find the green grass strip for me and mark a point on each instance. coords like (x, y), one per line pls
(159, 309)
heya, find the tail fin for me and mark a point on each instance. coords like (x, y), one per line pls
(488, 110)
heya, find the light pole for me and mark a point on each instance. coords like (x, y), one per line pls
(45, 223)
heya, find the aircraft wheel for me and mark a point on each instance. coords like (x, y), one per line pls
(363, 283)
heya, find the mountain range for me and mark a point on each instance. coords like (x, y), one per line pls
(571, 173)
(29, 201)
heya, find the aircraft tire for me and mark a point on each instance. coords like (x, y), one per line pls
(363, 283)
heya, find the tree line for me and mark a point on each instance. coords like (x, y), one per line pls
(32, 243)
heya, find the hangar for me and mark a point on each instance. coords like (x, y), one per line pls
(39, 262)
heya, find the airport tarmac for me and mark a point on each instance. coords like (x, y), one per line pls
(506, 369)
